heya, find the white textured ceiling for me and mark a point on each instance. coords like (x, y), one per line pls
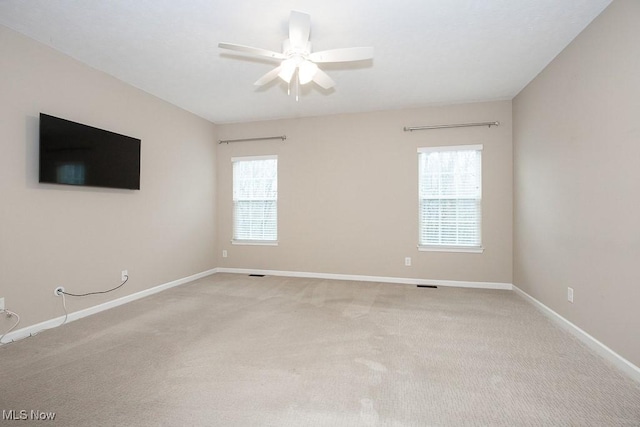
(426, 51)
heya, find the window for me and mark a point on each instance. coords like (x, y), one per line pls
(450, 192)
(255, 200)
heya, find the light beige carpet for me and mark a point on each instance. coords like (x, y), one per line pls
(234, 350)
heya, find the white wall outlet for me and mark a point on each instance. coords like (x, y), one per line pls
(224, 253)
(58, 291)
(570, 294)
(124, 275)
(407, 261)
(1, 303)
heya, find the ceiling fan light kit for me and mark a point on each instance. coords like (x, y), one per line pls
(298, 64)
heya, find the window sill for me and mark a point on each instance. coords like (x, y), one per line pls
(255, 242)
(463, 249)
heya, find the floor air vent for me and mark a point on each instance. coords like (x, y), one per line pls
(256, 275)
(428, 286)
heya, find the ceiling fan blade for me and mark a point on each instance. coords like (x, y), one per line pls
(299, 29)
(342, 55)
(251, 50)
(323, 79)
(273, 74)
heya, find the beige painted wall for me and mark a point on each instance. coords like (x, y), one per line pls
(82, 238)
(577, 181)
(348, 201)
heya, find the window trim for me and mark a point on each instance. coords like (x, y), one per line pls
(451, 248)
(250, 242)
(251, 158)
(474, 147)
(254, 242)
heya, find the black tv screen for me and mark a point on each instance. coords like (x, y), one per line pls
(76, 154)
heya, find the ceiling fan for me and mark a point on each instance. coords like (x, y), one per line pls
(298, 64)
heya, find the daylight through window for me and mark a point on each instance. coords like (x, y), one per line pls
(255, 199)
(450, 193)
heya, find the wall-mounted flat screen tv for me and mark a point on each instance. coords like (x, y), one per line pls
(76, 154)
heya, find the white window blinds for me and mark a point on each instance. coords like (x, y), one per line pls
(450, 192)
(255, 199)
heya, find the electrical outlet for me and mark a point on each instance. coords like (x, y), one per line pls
(224, 253)
(58, 291)
(1, 303)
(407, 261)
(570, 294)
(124, 275)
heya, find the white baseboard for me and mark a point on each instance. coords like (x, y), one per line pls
(620, 362)
(55, 322)
(402, 280)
